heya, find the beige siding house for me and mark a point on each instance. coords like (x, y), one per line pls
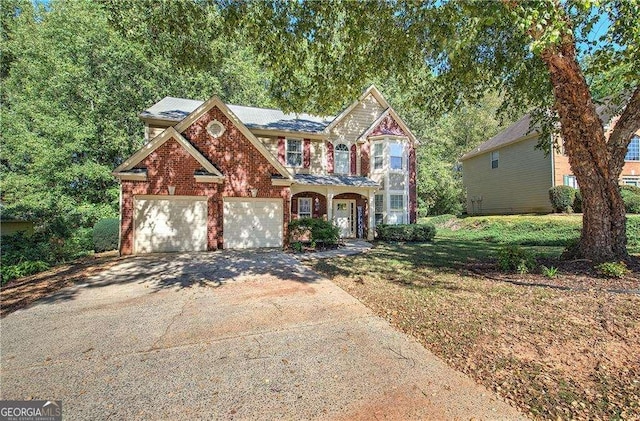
(507, 174)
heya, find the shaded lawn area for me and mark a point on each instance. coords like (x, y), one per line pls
(552, 353)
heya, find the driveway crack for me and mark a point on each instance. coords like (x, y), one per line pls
(155, 344)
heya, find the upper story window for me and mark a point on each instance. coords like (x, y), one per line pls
(341, 159)
(389, 154)
(378, 160)
(294, 152)
(495, 157)
(633, 150)
(395, 156)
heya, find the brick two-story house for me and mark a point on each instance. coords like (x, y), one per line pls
(213, 175)
(507, 174)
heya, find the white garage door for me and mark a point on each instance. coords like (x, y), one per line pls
(170, 223)
(251, 223)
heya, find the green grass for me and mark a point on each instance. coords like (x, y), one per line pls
(546, 235)
(519, 341)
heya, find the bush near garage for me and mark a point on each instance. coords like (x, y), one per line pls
(313, 230)
(406, 232)
(106, 233)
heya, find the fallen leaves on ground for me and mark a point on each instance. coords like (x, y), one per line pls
(553, 353)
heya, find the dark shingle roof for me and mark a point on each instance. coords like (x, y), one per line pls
(606, 111)
(176, 109)
(335, 180)
(515, 131)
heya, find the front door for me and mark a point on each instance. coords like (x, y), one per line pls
(344, 214)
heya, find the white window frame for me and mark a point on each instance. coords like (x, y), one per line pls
(287, 152)
(302, 200)
(570, 180)
(390, 145)
(495, 157)
(631, 181)
(397, 215)
(634, 146)
(378, 211)
(381, 156)
(343, 153)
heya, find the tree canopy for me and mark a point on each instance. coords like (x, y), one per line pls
(534, 54)
(73, 85)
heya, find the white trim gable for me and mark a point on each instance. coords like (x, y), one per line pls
(370, 90)
(161, 139)
(393, 114)
(216, 102)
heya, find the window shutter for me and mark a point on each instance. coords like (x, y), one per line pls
(306, 153)
(364, 159)
(281, 150)
(353, 160)
(329, 158)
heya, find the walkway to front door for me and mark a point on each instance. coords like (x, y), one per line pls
(344, 213)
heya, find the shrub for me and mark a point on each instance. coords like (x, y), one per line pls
(406, 232)
(19, 247)
(106, 233)
(320, 231)
(577, 202)
(562, 198)
(515, 258)
(549, 272)
(29, 267)
(441, 220)
(612, 269)
(631, 198)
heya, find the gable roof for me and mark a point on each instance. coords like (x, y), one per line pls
(161, 139)
(370, 90)
(512, 134)
(389, 112)
(216, 102)
(519, 131)
(176, 109)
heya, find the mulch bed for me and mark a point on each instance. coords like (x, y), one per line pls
(576, 275)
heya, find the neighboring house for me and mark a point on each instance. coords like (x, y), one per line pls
(213, 175)
(507, 174)
(9, 226)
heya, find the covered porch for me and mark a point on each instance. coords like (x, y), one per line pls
(347, 201)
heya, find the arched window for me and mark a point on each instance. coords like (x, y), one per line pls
(341, 159)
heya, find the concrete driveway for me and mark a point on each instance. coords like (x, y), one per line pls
(226, 335)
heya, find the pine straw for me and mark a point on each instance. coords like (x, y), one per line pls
(553, 353)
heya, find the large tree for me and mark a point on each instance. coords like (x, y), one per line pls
(73, 83)
(529, 51)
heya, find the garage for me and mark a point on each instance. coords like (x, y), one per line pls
(169, 223)
(252, 223)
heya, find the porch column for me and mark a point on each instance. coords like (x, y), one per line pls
(330, 195)
(372, 214)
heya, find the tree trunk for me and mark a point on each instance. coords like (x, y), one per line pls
(595, 166)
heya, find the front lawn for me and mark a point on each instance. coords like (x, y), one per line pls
(551, 352)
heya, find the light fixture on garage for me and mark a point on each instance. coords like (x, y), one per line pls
(254, 192)
(172, 190)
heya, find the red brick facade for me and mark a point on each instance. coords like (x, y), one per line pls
(388, 126)
(316, 212)
(243, 166)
